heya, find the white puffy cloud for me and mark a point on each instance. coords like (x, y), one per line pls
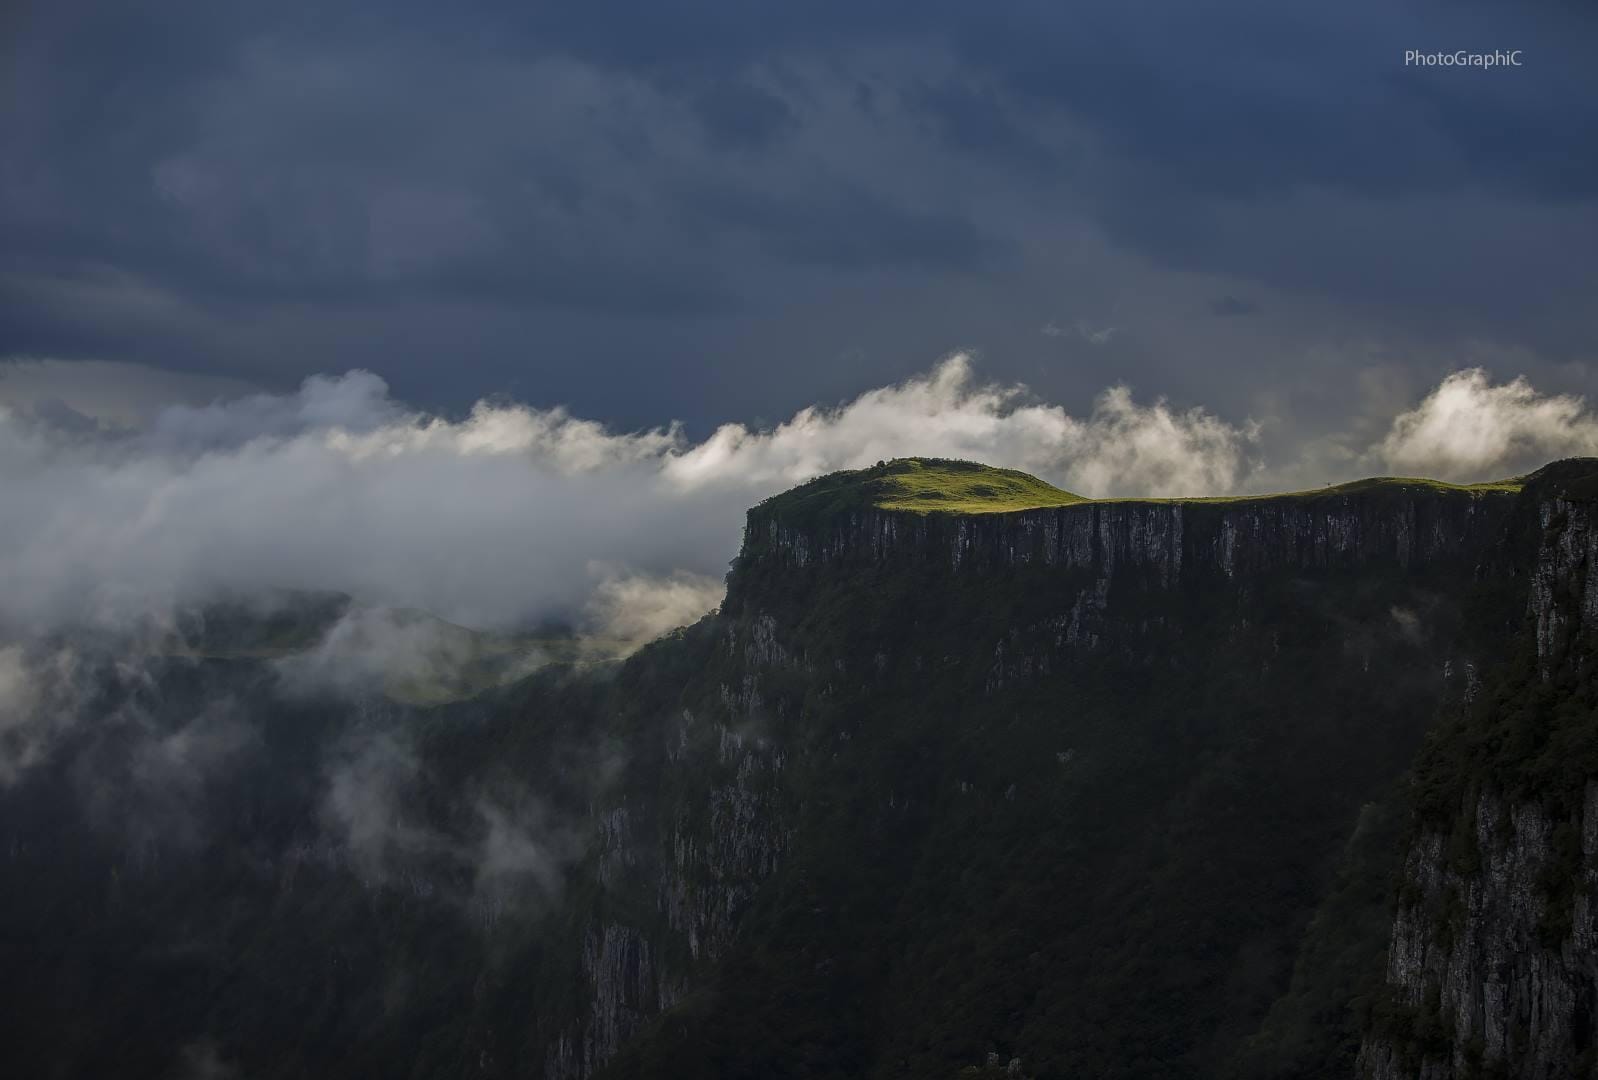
(512, 512)
(1129, 449)
(1121, 448)
(512, 515)
(1470, 429)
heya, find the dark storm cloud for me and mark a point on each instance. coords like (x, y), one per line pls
(976, 120)
(1246, 97)
(738, 115)
(1231, 306)
(844, 228)
(632, 205)
(1292, 146)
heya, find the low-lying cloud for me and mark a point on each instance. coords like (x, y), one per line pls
(403, 653)
(1470, 429)
(507, 852)
(631, 609)
(504, 518)
(511, 513)
(1121, 448)
(514, 514)
(38, 703)
(142, 758)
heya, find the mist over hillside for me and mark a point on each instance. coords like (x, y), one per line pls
(962, 765)
(513, 516)
(755, 540)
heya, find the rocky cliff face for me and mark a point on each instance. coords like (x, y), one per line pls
(1492, 971)
(1080, 553)
(684, 865)
(1104, 790)
(1145, 557)
(1403, 526)
(1493, 965)
(716, 843)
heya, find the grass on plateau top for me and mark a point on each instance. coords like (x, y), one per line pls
(1368, 486)
(940, 485)
(922, 485)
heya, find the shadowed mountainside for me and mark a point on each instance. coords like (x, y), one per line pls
(964, 765)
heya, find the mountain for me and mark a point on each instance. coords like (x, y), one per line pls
(967, 776)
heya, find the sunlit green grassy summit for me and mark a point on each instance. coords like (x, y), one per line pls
(922, 485)
(942, 485)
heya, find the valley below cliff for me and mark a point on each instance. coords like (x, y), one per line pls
(1291, 786)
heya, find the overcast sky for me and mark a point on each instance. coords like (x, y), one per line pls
(708, 211)
(504, 309)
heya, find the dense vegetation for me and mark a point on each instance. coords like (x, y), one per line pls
(1105, 870)
(1166, 853)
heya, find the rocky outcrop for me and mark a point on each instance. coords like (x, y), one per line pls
(1062, 787)
(1493, 964)
(1564, 586)
(1494, 958)
(723, 829)
(1245, 536)
(1489, 962)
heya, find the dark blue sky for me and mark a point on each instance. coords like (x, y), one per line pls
(714, 210)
